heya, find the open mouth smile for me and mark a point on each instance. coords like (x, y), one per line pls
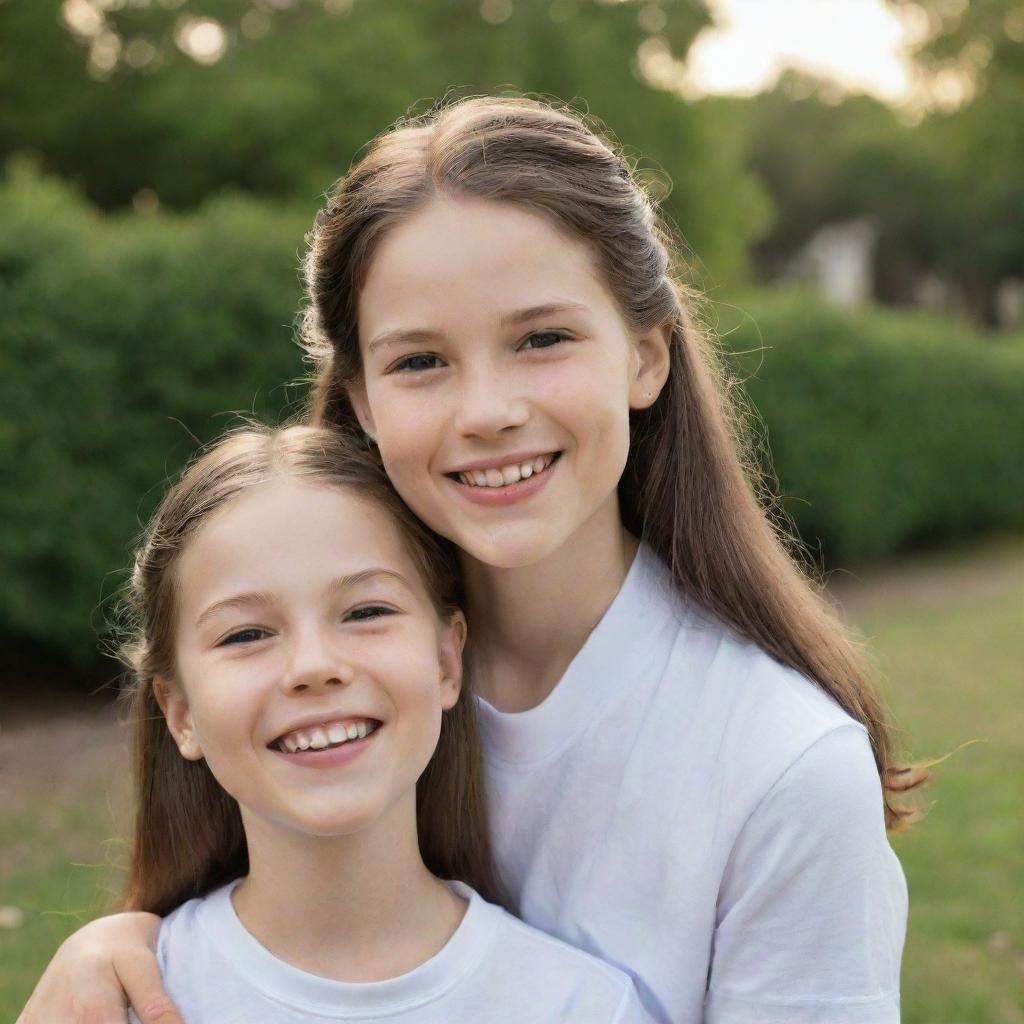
(506, 476)
(327, 736)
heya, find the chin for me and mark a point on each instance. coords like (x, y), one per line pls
(333, 822)
(509, 549)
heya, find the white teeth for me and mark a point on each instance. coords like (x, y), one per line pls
(321, 736)
(506, 475)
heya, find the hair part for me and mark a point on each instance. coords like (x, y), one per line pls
(691, 488)
(188, 837)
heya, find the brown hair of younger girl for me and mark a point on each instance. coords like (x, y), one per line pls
(188, 837)
(691, 486)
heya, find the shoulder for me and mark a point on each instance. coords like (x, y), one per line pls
(566, 975)
(771, 703)
(184, 932)
(752, 721)
(786, 732)
(180, 921)
(732, 675)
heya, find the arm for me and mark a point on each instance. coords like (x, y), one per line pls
(94, 971)
(812, 908)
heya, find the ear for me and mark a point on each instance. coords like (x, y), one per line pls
(451, 643)
(651, 361)
(356, 392)
(179, 719)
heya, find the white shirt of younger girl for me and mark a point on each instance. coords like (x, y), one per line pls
(687, 808)
(493, 970)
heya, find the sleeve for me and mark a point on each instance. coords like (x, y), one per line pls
(812, 908)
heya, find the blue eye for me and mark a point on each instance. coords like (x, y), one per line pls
(417, 363)
(243, 636)
(552, 338)
(369, 612)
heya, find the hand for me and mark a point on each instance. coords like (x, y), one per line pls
(96, 969)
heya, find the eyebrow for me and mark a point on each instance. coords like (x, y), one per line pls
(260, 598)
(415, 335)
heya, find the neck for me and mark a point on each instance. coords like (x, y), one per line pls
(528, 623)
(356, 908)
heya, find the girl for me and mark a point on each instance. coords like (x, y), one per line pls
(689, 772)
(297, 628)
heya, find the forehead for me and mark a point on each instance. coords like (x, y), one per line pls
(461, 258)
(287, 535)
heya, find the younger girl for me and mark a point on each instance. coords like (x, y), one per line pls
(690, 774)
(297, 628)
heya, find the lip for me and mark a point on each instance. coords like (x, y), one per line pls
(510, 494)
(513, 458)
(321, 720)
(328, 758)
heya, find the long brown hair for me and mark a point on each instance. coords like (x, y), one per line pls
(691, 488)
(188, 837)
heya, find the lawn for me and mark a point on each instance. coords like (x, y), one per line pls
(948, 634)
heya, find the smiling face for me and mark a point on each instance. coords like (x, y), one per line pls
(301, 621)
(498, 376)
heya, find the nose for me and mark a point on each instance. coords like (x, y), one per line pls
(315, 665)
(490, 403)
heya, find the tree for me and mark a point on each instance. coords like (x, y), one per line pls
(275, 97)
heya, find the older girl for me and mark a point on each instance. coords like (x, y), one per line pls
(689, 770)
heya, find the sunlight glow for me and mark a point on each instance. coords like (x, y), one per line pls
(203, 39)
(860, 44)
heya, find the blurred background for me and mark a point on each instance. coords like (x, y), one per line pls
(849, 178)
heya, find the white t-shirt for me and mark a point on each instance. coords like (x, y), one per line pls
(493, 970)
(685, 807)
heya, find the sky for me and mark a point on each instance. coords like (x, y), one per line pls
(859, 43)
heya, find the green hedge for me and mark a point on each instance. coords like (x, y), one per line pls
(125, 338)
(888, 430)
(120, 339)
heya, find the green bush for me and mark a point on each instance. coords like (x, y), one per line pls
(888, 430)
(125, 339)
(122, 339)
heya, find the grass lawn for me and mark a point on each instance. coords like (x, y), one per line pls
(948, 633)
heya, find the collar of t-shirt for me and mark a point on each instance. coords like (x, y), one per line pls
(631, 641)
(312, 994)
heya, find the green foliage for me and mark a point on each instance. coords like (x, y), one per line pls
(121, 338)
(946, 194)
(286, 108)
(127, 337)
(888, 431)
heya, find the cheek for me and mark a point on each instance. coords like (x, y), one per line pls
(224, 714)
(594, 408)
(407, 429)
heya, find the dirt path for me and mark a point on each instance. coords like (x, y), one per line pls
(52, 765)
(932, 581)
